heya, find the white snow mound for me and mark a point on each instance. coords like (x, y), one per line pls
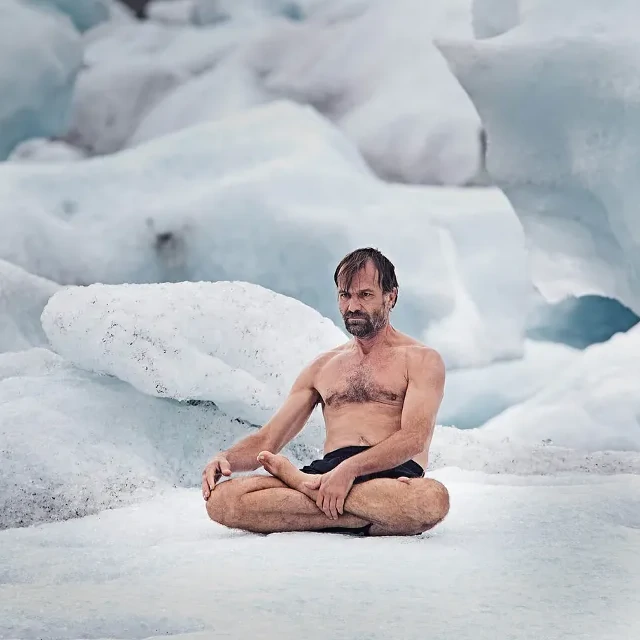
(236, 344)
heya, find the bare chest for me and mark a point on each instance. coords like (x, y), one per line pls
(348, 382)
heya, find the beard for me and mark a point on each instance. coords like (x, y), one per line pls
(363, 325)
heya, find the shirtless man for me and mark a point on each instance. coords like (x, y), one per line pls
(380, 393)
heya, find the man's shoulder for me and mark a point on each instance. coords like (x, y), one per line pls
(421, 358)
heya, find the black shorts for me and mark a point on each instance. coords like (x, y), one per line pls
(332, 459)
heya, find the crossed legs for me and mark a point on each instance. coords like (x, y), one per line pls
(265, 504)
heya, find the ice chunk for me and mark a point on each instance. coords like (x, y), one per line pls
(559, 99)
(376, 73)
(73, 443)
(237, 344)
(84, 14)
(35, 93)
(473, 396)
(276, 196)
(22, 298)
(171, 12)
(214, 11)
(592, 405)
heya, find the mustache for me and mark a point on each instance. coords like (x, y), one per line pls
(348, 316)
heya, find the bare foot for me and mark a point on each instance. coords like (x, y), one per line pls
(283, 469)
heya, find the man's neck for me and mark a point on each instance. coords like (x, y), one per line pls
(364, 346)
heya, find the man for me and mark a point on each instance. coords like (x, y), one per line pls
(380, 393)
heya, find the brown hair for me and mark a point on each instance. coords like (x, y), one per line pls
(356, 260)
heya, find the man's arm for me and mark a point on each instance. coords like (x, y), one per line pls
(285, 424)
(425, 389)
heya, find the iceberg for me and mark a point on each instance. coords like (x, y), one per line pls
(557, 94)
(36, 93)
(305, 198)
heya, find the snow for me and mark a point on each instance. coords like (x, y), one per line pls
(592, 405)
(37, 92)
(284, 171)
(22, 299)
(84, 14)
(236, 344)
(45, 150)
(160, 568)
(558, 96)
(396, 100)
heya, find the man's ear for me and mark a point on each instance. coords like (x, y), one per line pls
(393, 297)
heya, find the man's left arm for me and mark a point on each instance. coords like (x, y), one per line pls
(425, 389)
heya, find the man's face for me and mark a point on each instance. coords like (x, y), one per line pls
(364, 308)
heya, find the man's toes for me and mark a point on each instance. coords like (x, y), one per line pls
(269, 461)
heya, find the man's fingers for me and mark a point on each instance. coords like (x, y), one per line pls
(340, 506)
(403, 479)
(314, 483)
(334, 507)
(225, 468)
(326, 506)
(205, 489)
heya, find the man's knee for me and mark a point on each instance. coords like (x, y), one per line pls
(433, 505)
(222, 503)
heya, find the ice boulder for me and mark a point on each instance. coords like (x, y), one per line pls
(558, 96)
(74, 443)
(215, 11)
(22, 298)
(592, 405)
(275, 196)
(36, 93)
(45, 150)
(375, 72)
(84, 14)
(236, 344)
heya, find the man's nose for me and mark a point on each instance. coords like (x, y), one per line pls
(354, 305)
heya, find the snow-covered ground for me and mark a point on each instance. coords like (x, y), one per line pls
(177, 196)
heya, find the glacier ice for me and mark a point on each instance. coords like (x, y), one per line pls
(236, 344)
(474, 395)
(397, 100)
(305, 197)
(592, 405)
(22, 298)
(45, 150)
(36, 93)
(557, 95)
(84, 14)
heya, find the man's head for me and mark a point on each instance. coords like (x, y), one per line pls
(367, 291)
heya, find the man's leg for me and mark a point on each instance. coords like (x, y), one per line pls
(393, 507)
(263, 504)
(266, 505)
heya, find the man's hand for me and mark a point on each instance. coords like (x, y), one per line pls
(333, 489)
(217, 467)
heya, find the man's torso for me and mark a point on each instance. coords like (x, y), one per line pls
(362, 396)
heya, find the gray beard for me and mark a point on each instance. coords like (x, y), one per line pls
(367, 327)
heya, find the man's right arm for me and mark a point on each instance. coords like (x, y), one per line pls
(285, 424)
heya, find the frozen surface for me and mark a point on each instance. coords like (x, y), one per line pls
(84, 14)
(372, 68)
(305, 199)
(592, 405)
(236, 344)
(551, 558)
(22, 299)
(472, 396)
(558, 95)
(35, 94)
